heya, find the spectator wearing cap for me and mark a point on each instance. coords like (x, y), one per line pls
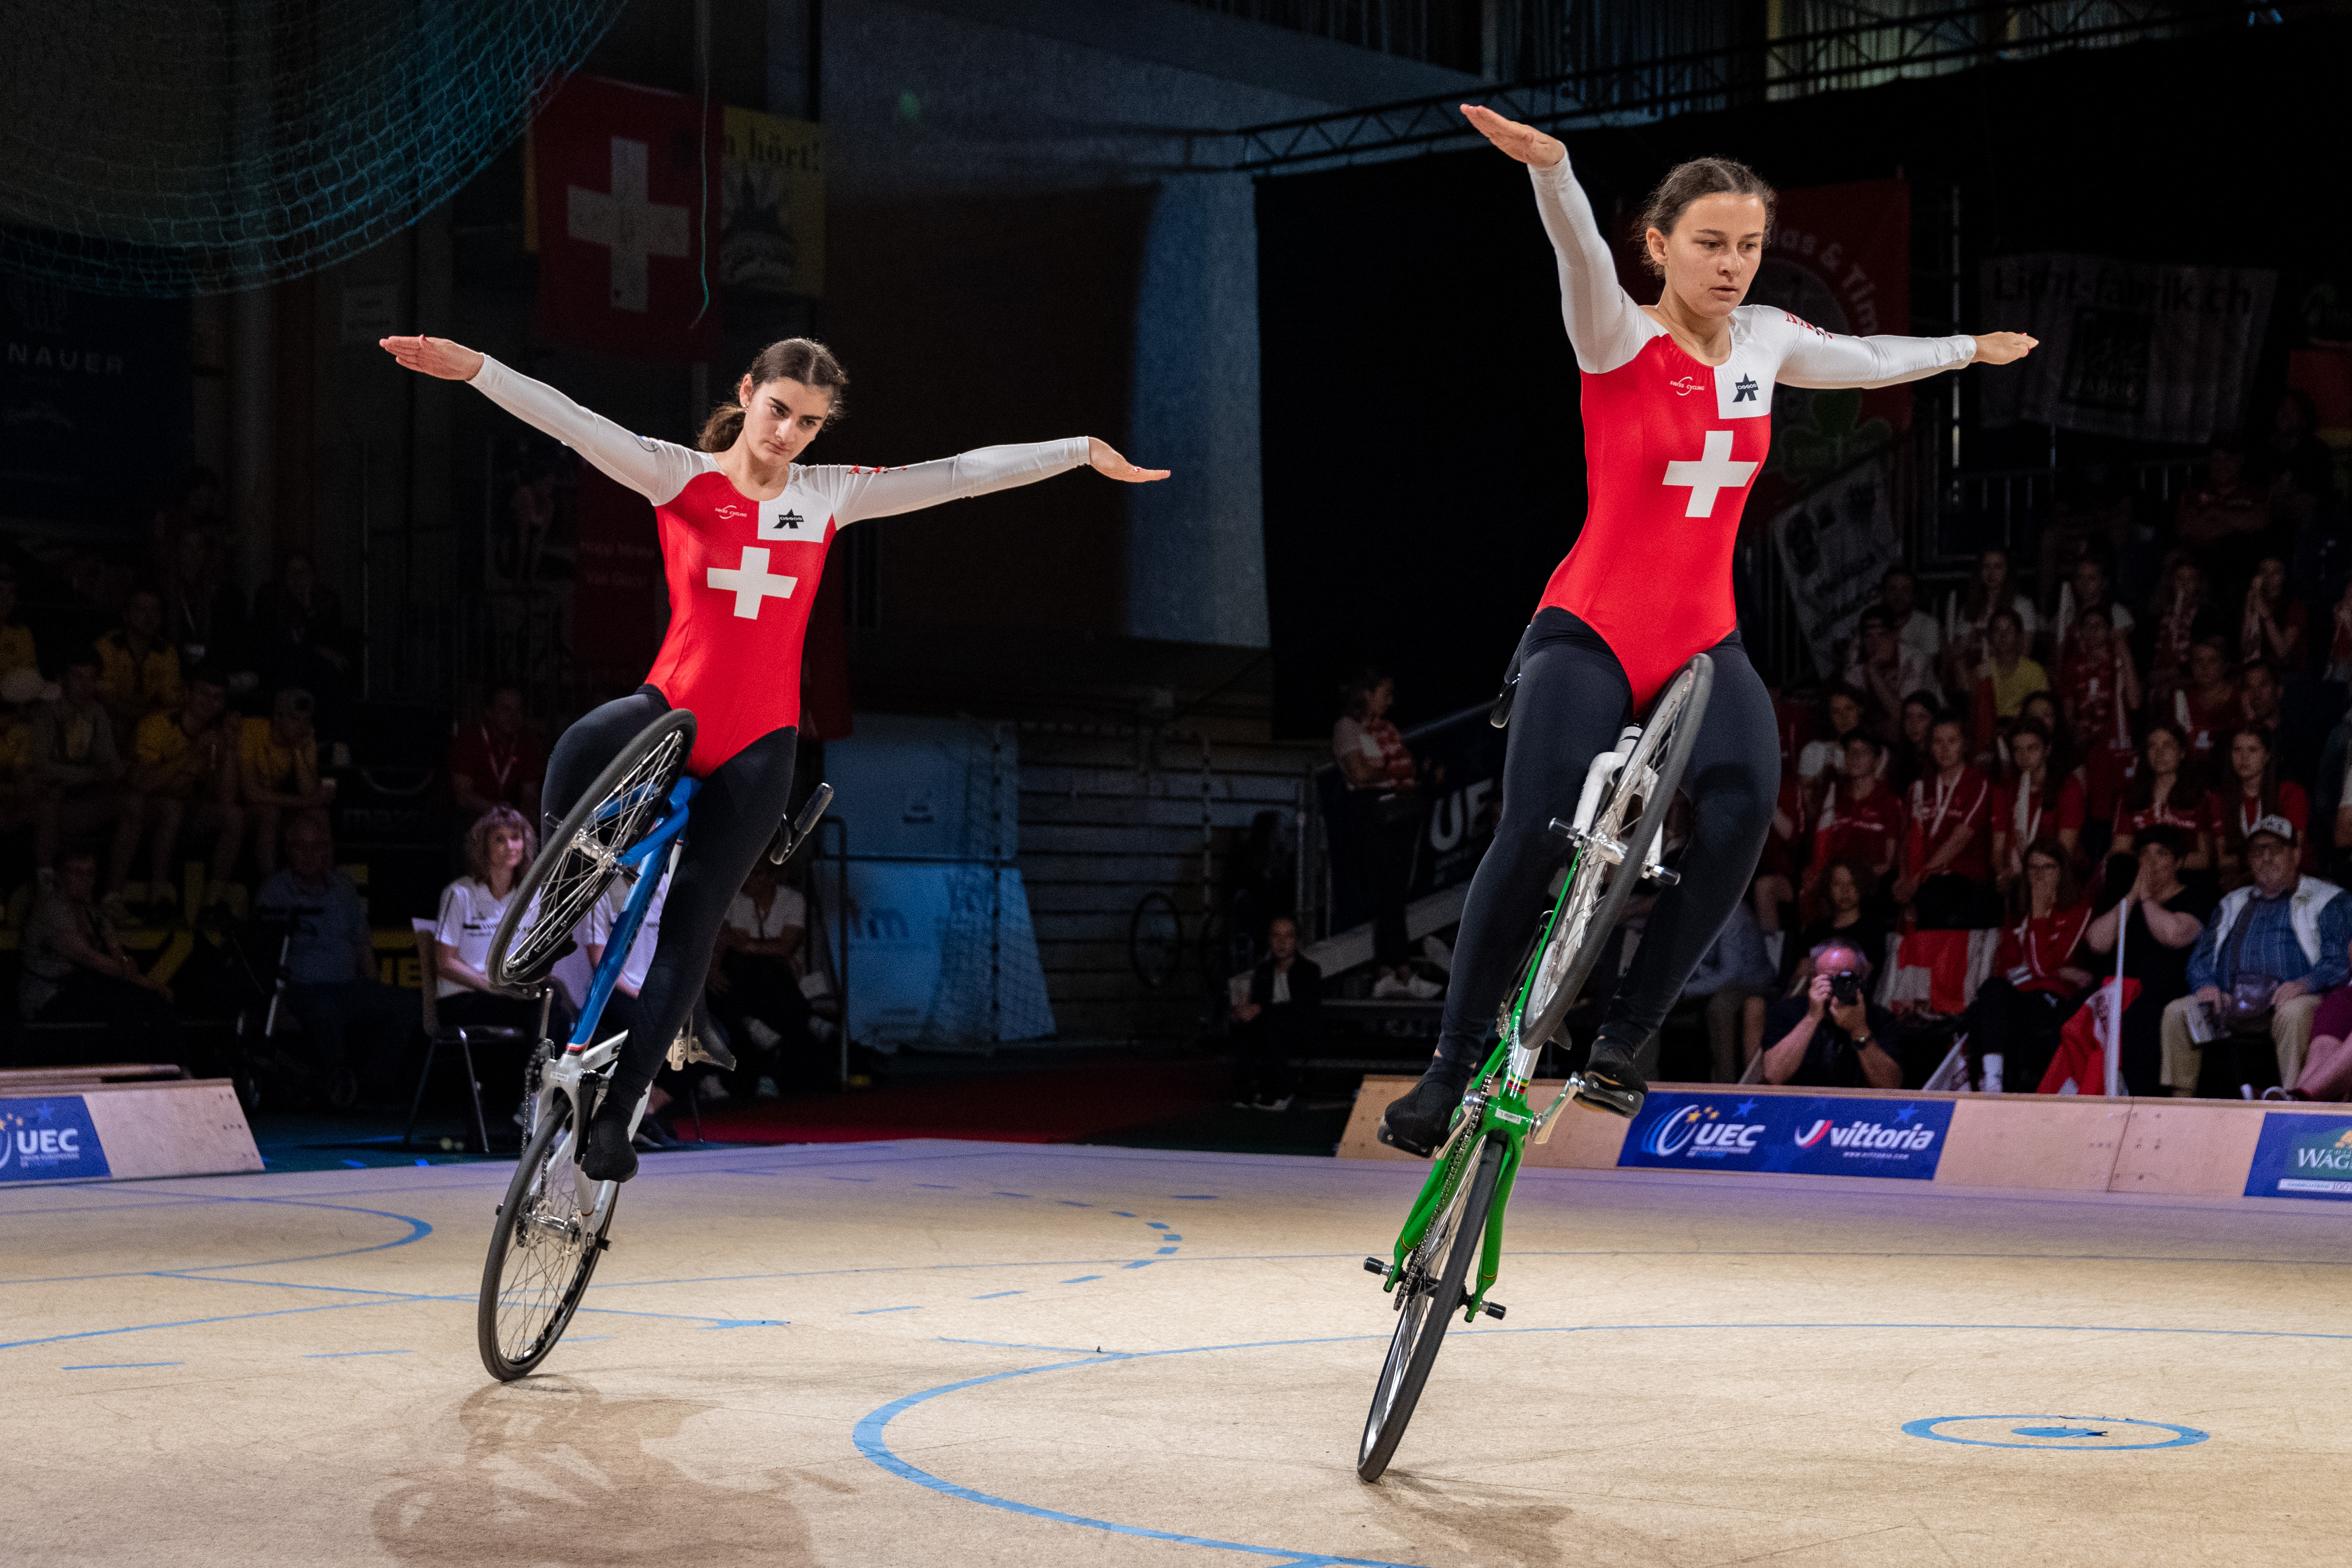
(2276, 945)
(2159, 920)
(137, 668)
(183, 775)
(73, 761)
(1887, 667)
(1948, 842)
(16, 637)
(277, 770)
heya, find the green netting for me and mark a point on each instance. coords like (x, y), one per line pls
(170, 147)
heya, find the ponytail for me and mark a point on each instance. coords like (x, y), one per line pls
(803, 360)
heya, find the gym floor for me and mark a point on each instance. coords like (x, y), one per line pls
(932, 1352)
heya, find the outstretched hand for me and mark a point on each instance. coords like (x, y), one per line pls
(434, 356)
(1110, 465)
(1525, 142)
(2001, 348)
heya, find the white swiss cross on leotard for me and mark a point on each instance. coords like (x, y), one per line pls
(632, 226)
(752, 583)
(1713, 472)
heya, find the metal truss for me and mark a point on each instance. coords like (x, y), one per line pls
(1865, 52)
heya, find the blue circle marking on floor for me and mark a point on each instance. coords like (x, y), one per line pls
(2063, 1433)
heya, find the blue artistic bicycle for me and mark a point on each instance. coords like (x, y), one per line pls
(631, 823)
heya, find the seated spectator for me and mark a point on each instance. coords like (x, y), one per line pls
(2328, 1070)
(332, 983)
(1824, 755)
(73, 971)
(2276, 625)
(1912, 757)
(1825, 1033)
(496, 760)
(1383, 810)
(23, 693)
(2036, 803)
(2035, 984)
(2181, 616)
(16, 637)
(2225, 506)
(1968, 610)
(2255, 790)
(2274, 947)
(498, 847)
(203, 613)
(2206, 709)
(1898, 591)
(1948, 842)
(1861, 818)
(278, 768)
(1732, 971)
(138, 671)
(2005, 680)
(1885, 668)
(2086, 590)
(2101, 692)
(2336, 667)
(73, 764)
(755, 980)
(298, 639)
(2161, 793)
(1275, 1014)
(2165, 917)
(182, 773)
(1849, 916)
(2291, 464)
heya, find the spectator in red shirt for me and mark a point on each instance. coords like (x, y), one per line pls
(2038, 803)
(2161, 791)
(1782, 863)
(2034, 986)
(1909, 758)
(2277, 625)
(2252, 791)
(497, 761)
(1948, 844)
(2180, 617)
(2101, 691)
(1860, 819)
(2207, 707)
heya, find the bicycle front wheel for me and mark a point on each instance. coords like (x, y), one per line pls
(543, 1251)
(1428, 1296)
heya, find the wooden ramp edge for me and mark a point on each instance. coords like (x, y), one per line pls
(2180, 1147)
(58, 1130)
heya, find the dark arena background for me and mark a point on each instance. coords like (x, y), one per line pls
(1018, 1188)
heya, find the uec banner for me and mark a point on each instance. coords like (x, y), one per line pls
(49, 1139)
(2302, 1156)
(1808, 1136)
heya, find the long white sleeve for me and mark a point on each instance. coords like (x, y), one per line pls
(1818, 359)
(656, 470)
(860, 493)
(1605, 327)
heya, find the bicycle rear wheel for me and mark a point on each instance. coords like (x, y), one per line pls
(1599, 892)
(579, 858)
(544, 1250)
(1428, 1296)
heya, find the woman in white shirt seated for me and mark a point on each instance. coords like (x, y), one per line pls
(755, 981)
(498, 847)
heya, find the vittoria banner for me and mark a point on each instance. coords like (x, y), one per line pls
(2141, 350)
(1825, 1136)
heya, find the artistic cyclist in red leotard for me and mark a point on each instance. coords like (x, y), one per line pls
(1677, 400)
(744, 528)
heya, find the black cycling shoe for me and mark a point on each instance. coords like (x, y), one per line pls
(609, 1157)
(1417, 1123)
(1609, 1081)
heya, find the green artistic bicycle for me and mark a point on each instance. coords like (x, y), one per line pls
(1614, 842)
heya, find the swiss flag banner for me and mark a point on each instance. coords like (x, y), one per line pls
(626, 211)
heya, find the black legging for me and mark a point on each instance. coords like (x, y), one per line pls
(1573, 701)
(736, 814)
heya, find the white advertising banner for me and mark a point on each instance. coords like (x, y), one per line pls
(2141, 350)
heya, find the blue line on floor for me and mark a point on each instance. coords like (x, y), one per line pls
(1122, 1213)
(341, 1355)
(119, 1365)
(870, 1312)
(1004, 1344)
(1142, 1263)
(735, 1324)
(936, 1186)
(1166, 1250)
(996, 1295)
(356, 1164)
(1012, 1195)
(1082, 1279)
(1194, 1197)
(417, 1231)
(1073, 1203)
(1157, 1224)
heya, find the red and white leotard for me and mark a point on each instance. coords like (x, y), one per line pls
(743, 572)
(1671, 444)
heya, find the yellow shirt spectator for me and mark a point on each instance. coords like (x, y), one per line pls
(163, 741)
(135, 684)
(16, 750)
(267, 764)
(2010, 691)
(16, 649)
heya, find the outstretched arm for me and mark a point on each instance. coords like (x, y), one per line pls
(885, 493)
(1816, 358)
(1605, 328)
(654, 470)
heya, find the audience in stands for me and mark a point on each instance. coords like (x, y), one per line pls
(71, 754)
(2274, 947)
(1947, 841)
(1383, 805)
(203, 613)
(1277, 1013)
(2160, 920)
(498, 847)
(2005, 678)
(330, 971)
(16, 650)
(1861, 819)
(1885, 668)
(1898, 594)
(2035, 984)
(494, 760)
(2276, 627)
(1826, 1033)
(1823, 756)
(1847, 899)
(2253, 791)
(2031, 807)
(138, 671)
(1911, 757)
(298, 639)
(73, 970)
(2099, 687)
(183, 774)
(2163, 790)
(22, 692)
(2181, 616)
(757, 982)
(2206, 707)
(1731, 972)
(278, 764)
(1968, 612)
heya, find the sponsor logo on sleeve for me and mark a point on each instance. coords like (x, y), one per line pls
(1799, 1133)
(47, 1139)
(2302, 1157)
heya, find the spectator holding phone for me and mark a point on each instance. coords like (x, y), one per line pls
(1824, 1033)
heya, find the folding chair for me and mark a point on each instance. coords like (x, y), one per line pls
(462, 1036)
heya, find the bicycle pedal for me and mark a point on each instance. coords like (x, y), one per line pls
(1376, 1265)
(1598, 1094)
(1381, 1134)
(1492, 1309)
